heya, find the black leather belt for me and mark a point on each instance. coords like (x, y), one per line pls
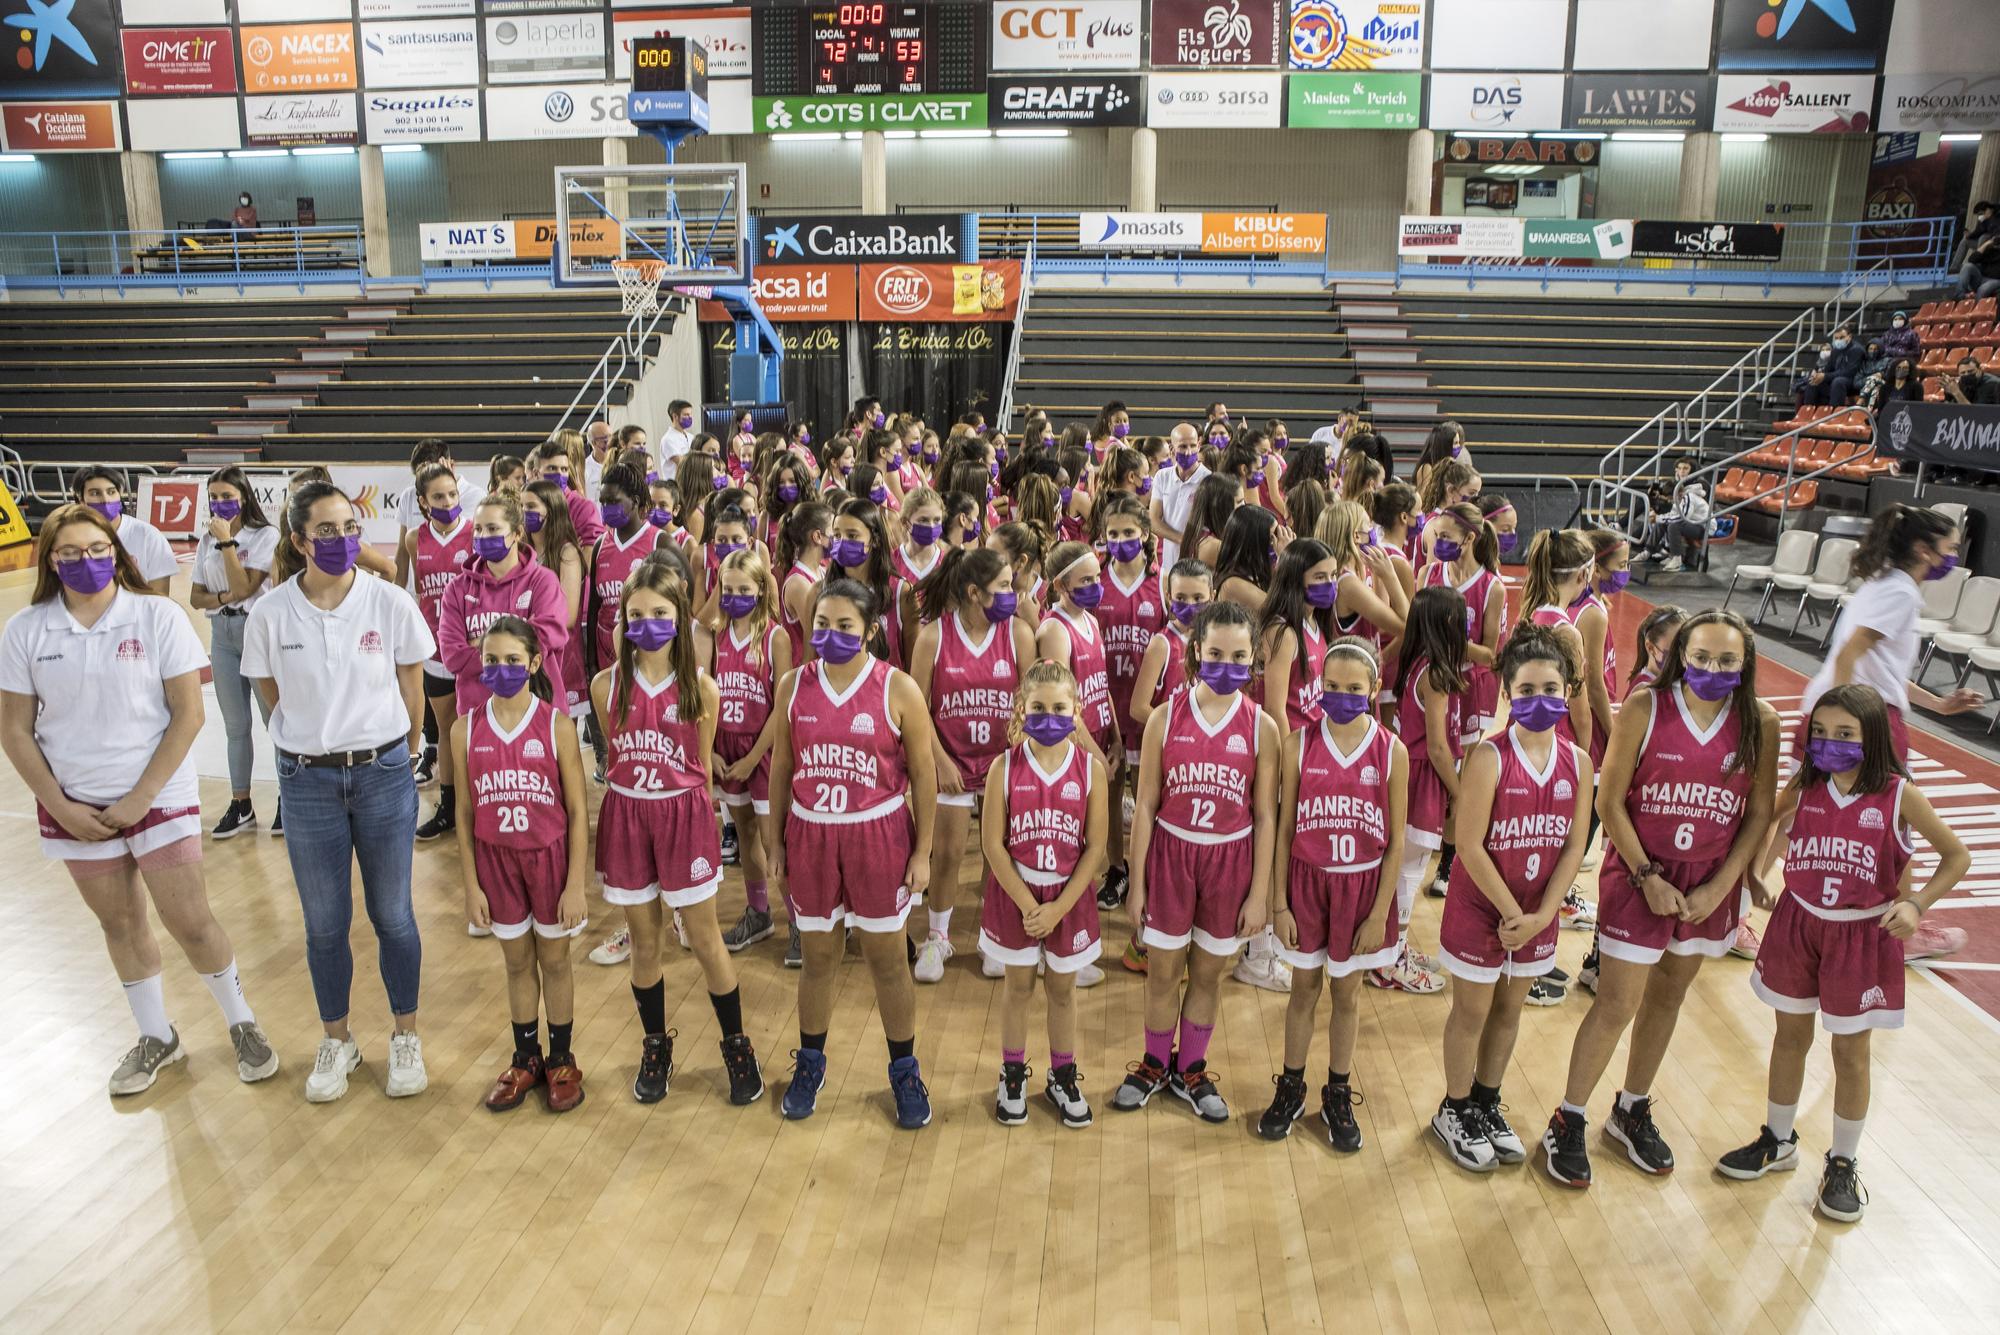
(345, 759)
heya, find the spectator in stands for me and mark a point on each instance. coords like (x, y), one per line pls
(1686, 522)
(1972, 384)
(1873, 362)
(1902, 340)
(1979, 254)
(674, 441)
(598, 436)
(1900, 383)
(1840, 372)
(244, 215)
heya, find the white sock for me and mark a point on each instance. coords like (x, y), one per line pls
(1780, 1117)
(227, 989)
(1626, 1099)
(1847, 1136)
(1407, 881)
(149, 1007)
(1574, 1110)
(940, 921)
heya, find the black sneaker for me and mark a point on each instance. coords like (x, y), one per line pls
(1287, 1106)
(1336, 1114)
(656, 1068)
(1010, 1105)
(425, 770)
(1766, 1154)
(1841, 1195)
(442, 822)
(278, 822)
(746, 1081)
(729, 851)
(1143, 1079)
(1633, 1128)
(240, 818)
(1545, 992)
(1196, 1087)
(1563, 1151)
(1111, 891)
(1065, 1096)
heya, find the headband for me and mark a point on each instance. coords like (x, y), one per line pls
(1501, 510)
(1060, 574)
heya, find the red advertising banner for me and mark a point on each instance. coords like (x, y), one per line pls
(60, 127)
(1216, 34)
(799, 292)
(989, 290)
(179, 60)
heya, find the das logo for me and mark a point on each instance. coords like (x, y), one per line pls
(902, 289)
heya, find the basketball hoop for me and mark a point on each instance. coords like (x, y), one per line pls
(639, 284)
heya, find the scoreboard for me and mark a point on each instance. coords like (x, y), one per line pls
(867, 48)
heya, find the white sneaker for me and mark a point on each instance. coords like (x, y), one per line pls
(475, 930)
(681, 931)
(1464, 1139)
(616, 949)
(1577, 913)
(335, 1060)
(406, 1066)
(1672, 565)
(1089, 976)
(1010, 1104)
(992, 968)
(1262, 970)
(931, 956)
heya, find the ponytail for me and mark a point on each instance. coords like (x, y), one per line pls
(1893, 537)
(1552, 553)
(943, 590)
(1485, 541)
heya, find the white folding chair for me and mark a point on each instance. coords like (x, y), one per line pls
(1971, 622)
(1827, 581)
(1953, 511)
(1793, 557)
(1985, 656)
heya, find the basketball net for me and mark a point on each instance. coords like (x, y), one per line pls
(639, 284)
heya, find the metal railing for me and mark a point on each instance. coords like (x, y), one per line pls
(48, 481)
(183, 257)
(626, 351)
(1006, 415)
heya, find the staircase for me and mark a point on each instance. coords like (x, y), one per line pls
(1169, 354)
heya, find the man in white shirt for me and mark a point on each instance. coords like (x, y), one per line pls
(598, 436)
(678, 436)
(1173, 491)
(103, 491)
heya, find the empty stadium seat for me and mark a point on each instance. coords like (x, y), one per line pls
(1827, 580)
(1793, 557)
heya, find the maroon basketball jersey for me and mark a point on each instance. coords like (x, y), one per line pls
(909, 571)
(972, 692)
(1173, 676)
(1207, 770)
(439, 561)
(1847, 853)
(1410, 715)
(1302, 706)
(1343, 812)
(1129, 617)
(1088, 664)
(1684, 808)
(1476, 591)
(653, 752)
(1046, 813)
(743, 680)
(800, 571)
(517, 796)
(847, 754)
(614, 565)
(1532, 814)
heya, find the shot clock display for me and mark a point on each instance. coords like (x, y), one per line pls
(863, 48)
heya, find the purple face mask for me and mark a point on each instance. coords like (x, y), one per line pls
(719, 481)
(446, 514)
(1539, 713)
(504, 679)
(1184, 612)
(879, 494)
(685, 420)
(1613, 581)
(493, 548)
(336, 556)
(1257, 478)
(1833, 756)
(1224, 678)
(616, 514)
(1508, 542)
(1145, 487)
(111, 510)
(89, 575)
(836, 646)
(787, 492)
(650, 633)
(805, 436)
(225, 509)
(736, 605)
(532, 520)
(1064, 496)
(560, 479)
(660, 517)
(881, 419)
(1048, 729)
(1711, 686)
(1002, 607)
(847, 553)
(1446, 549)
(1342, 706)
(1087, 596)
(923, 535)
(1323, 595)
(1125, 549)
(1950, 564)
(1120, 430)
(1186, 459)
(724, 549)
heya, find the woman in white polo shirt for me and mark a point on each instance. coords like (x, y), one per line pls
(100, 699)
(232, 569)
(104, 491)
(338, 659)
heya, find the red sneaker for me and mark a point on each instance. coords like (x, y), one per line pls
(514, 1083)
(565, 1084)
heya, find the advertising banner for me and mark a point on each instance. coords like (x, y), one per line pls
(1216, 34)
(939, 371)
(1459, 238)
(1067, 99)
(422, 116)
(415, 9)
(800, 292)
(281, 11)
(1576, 238)
(300, 119)
(724, 32)
(1496, 103)
(1355, 34)
(1795, 103)
(558, 111)
(1655, 35)
(82, 64)
(1216, 101)
(1071, 35)
(1958, 435)
(869, 111)
(1803, 35)
(60, 127)
(863, 238)
(599, 238)
(178, 61)
(138, 12)
(1139, 231)
(1499, 34)
(293, 57)
(517, 239)
(813, 377)
(955, 293)
(1941, 102)
(1522, 148)
(544, 48)
(1708, 241)
(1640, 101)
(466, 241)
(1354, 101)
(442, 52)
(1263, 233)
(171, 504)
(185, 123)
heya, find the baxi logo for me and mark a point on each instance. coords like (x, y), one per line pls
(48, 22)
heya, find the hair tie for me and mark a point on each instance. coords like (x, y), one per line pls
(1567, 570)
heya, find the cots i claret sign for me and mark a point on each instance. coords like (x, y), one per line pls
(869, 67)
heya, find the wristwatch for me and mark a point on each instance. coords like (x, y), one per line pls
(1637, 876)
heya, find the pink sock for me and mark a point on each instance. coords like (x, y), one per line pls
(790, 912)
(759, 895)
(1058, 1060)
(1013, 1054)
(1194, 1043)
(1160, 1045)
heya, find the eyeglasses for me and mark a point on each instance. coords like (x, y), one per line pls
(97, 551)
(1717, 662)
(351, 529)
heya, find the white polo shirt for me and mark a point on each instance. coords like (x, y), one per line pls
(336, 671)
(1889, 605)
(671, 445)
(256, 549)
(101, 691)
(148, 548)
(1176, 499)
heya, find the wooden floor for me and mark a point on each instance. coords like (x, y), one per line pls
(206, 1205)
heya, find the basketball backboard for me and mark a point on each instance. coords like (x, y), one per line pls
(693, 219)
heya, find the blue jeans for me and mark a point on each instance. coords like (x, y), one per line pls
(233, 693)
(334, 817)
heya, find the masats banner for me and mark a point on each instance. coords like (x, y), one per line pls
(1211, 233)
(1356, 35)
(173, 61)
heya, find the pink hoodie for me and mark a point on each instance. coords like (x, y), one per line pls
(475, 598)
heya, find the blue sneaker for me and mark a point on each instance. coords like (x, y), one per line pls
(808, 1074)
(913, 1101)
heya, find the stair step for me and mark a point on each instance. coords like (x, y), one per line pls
(1378, 333)
(1405, 409)
(1363, 288)
(274, 401)
(398, 293)
(255, 428)
(1387, 356)
(382, 313)
(1402, 437)
(1377, 380)
(352, 333)
(327, 354)
(1369, 310)
(303, 375)
(215, 456)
